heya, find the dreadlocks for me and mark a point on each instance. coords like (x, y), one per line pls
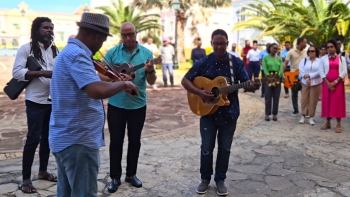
(35, 37)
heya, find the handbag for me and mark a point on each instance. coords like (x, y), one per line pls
(14, 87)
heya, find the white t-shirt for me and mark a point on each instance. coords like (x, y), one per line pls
(253, 55)
(167, 53)
(152, 47)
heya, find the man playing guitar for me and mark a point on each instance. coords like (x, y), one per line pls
(127, 110)
(223, 122)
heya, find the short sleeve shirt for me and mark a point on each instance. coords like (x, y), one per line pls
(211, 68)
(119, 55)
(294, 56)
(76, 118)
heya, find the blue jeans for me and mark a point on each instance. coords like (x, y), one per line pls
(168, 67)
(254, 68)
(209, 130)
(77, 170)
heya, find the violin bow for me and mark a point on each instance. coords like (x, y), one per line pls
(111, 67)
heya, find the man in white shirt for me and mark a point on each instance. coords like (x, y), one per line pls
(153, 48)
(167, 52)
(233, 50)
(253, 61)
(345, 55)
(38, 107)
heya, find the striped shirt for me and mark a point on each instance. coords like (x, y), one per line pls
(75, 118)
(119, 55)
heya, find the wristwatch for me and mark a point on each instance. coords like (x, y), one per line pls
(150, 72)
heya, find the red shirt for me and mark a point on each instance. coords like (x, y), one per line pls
(245, 51)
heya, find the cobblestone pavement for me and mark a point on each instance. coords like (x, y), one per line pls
(280, 158)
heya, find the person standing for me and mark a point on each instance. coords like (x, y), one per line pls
(233, 50)
(284, 52)
(125, 110)
(294, 56)
(244, 53)
(263, 53)
(332, 71)
(167, 53)
(197, 53)
(253, 62)
(38, 108)
(345, 55)
(77, 119)
(323, 51)
(272, 63)
(153, 48)
(311, 84)
(222, 123)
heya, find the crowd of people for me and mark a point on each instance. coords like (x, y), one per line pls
(71, 123)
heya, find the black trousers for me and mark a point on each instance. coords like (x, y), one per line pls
(272, 96)
(38, 119)
(118, 119)
(295, 94)
(263, 85)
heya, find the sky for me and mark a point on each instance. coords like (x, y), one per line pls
(63, 6)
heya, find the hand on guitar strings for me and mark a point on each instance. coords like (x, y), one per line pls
(254, 85)
(205, 95)
(149, 66)
(126, 77)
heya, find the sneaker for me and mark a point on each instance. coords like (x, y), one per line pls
(154, 86)
(203, 187)
(307, 116)
(221, 188)
(302, 120)
(311, 121)
(295, 113)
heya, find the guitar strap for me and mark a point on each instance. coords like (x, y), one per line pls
(231, 68)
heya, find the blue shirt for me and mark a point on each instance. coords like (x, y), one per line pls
(283, 54)
(211, 67)
(76, 118)
(119, 55)
(197, 54)
(263, 53)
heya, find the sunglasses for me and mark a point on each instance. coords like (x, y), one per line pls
(311, 51)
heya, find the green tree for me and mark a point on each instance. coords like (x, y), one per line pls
(188, 9)
(317, 21)
(118, 14)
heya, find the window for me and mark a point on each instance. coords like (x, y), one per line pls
(216, 25)
(172, 26)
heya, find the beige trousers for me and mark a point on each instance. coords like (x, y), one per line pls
(309, 99)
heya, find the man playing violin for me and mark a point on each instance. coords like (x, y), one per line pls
(127, 110)
(77, 118)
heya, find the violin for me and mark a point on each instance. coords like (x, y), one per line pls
(100, 68)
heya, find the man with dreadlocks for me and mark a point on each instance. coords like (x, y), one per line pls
(38, 108)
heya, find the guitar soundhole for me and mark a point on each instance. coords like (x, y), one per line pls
(123, 71)
(215, 91)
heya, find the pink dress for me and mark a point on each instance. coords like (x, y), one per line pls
(333, 102)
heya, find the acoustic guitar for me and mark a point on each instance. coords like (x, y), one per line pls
(129, 69)
(291, 78)
(220, 88)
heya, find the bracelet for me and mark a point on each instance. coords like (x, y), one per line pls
(150, 72)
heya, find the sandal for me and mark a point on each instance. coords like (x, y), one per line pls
(48, 176)
(27, 188)
(326, 126)
(338, 129)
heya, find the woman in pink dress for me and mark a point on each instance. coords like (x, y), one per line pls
(333, 70)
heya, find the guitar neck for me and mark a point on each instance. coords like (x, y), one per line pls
(134, 68)
(232, 88)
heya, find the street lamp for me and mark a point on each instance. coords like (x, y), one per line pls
(23, 12)
(176, 6)
(86, 10)
(238, 14)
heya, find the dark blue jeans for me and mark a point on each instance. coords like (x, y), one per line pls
(254, 69)
(38, 119)
(209, 130)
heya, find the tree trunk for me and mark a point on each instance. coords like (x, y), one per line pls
(181, 24)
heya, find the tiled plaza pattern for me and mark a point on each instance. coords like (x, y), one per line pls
(280, 158)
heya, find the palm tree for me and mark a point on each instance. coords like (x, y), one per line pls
(188, 9)
(118, 14)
